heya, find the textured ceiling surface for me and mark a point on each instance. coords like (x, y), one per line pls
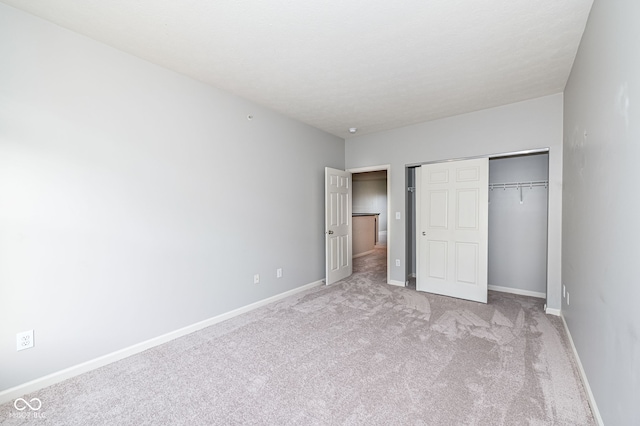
(374, 65)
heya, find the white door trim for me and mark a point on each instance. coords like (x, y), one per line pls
(379, 168)
(489, 156)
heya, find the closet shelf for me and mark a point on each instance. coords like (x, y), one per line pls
(518, 185)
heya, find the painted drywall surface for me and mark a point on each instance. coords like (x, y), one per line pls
(135, 201)
(602, 207)
(370, 196)
(536, 123)
(518, 230)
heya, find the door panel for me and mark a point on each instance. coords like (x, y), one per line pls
(338, 235)
(437, 256)
(438, 176)
(438, 209)
(467, 263)
(453, 234)
(467, 210)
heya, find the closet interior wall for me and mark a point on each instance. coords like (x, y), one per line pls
(518, 224)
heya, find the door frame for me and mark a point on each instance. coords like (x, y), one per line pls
(489, 156)
(380, 168)
(546, 150)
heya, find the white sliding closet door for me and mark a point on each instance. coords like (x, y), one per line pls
(453, 229)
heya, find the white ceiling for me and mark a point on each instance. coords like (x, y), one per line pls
(335, 64)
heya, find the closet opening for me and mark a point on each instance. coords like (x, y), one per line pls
(517, 224)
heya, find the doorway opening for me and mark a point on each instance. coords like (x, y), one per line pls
(517, 223)
(370, 219)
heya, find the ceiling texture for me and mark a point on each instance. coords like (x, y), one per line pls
(335, 64)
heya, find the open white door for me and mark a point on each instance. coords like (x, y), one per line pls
(337, 219)
(453, 229)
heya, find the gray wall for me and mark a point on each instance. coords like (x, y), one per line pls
(601, 208)
(518, 231)
(525, 125)
(135, 201)
(370, 196)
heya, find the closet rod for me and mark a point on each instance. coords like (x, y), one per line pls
(531, 184)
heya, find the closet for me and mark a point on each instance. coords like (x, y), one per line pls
(517, 224)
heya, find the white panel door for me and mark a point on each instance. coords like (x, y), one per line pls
(338, 233)
(453, 229)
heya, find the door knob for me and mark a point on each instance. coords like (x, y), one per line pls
(330, 232)
(424, 233)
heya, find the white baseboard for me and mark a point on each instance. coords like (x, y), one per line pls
(59, 376)
(518, 291)
(398, 283)
(583, 376)
(552, 311)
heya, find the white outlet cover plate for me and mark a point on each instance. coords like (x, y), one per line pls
(24, 340)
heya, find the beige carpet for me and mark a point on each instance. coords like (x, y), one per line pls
(358, 352)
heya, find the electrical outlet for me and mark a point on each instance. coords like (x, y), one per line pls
(397, 262)
(279, 273)
(256, 279)
(24, 340)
